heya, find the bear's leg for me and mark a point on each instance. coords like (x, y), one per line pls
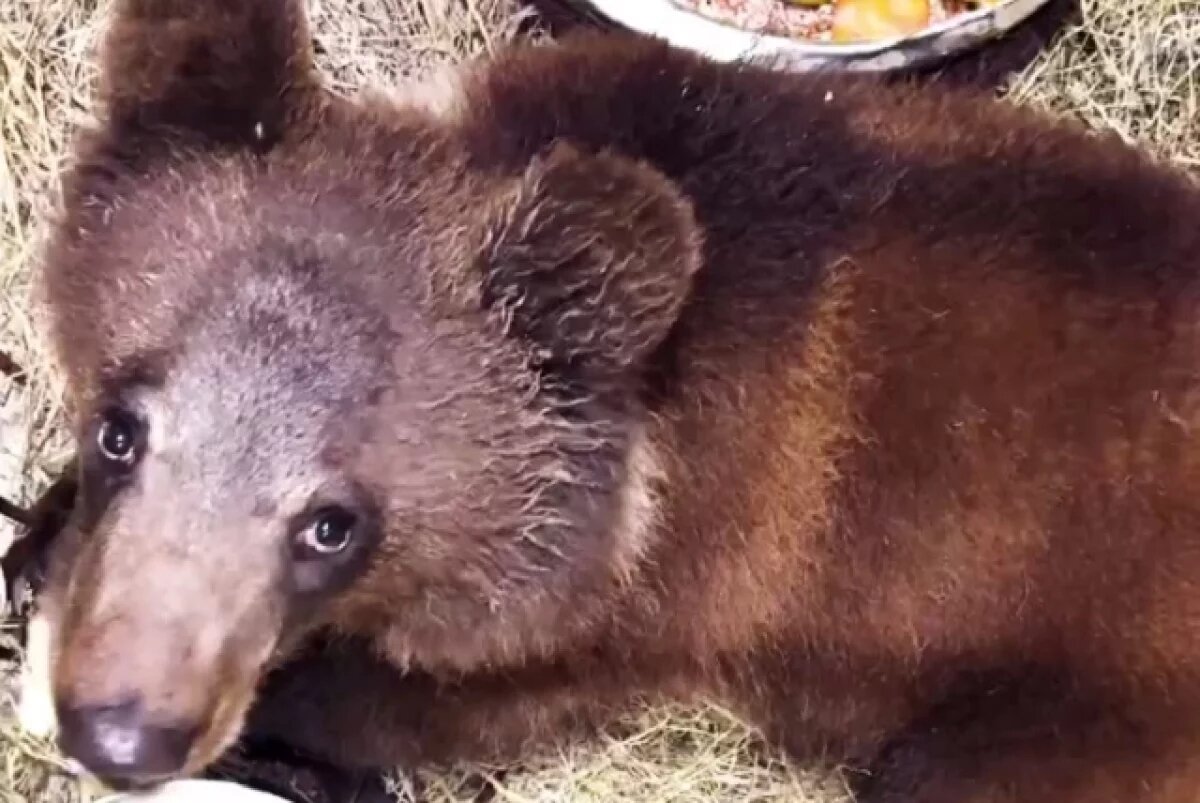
(1021, 743)
(277, 768)
(341, 703)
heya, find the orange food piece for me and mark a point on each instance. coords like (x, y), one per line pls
(867, 20)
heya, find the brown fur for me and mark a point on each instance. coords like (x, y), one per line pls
(868, 411)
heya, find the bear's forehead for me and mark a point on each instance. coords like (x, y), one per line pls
(208, 226)
(257, 376)
(283, 305)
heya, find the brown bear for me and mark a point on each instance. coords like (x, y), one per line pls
(443, 425)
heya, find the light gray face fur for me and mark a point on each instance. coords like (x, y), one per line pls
(252, 430)
(252, 437)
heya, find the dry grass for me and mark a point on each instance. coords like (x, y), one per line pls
(658, 756)
(1132, 66)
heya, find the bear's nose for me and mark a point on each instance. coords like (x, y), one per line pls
(119, 746)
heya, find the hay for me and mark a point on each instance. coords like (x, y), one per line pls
(43, 91)
(672, 755)
(1131, 66)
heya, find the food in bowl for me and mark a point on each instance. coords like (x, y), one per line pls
(834, 20)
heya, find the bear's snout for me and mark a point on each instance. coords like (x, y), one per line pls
(136, 708)
(123, 745)
(149, 687)
(131, 710)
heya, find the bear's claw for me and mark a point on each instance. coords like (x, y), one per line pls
(25, 560)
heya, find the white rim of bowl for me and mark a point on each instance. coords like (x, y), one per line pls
(677, 25)
(195, 790)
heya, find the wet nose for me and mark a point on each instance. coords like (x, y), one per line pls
(117, 744)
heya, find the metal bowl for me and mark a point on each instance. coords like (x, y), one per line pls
(663, 19)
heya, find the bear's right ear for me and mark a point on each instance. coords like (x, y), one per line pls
(214, 73)
(591, 257)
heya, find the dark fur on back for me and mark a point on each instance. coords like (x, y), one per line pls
(868, 411)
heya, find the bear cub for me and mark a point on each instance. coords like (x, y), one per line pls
(441, 426)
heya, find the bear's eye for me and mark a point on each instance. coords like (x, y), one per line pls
(330, 531)
(117, 437)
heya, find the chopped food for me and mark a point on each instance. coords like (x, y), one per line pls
(865, 20)
(834, 20)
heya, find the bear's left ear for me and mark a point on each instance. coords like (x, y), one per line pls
(214, 73)
(591, 257)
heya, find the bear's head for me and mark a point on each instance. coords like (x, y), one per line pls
(330, 370)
